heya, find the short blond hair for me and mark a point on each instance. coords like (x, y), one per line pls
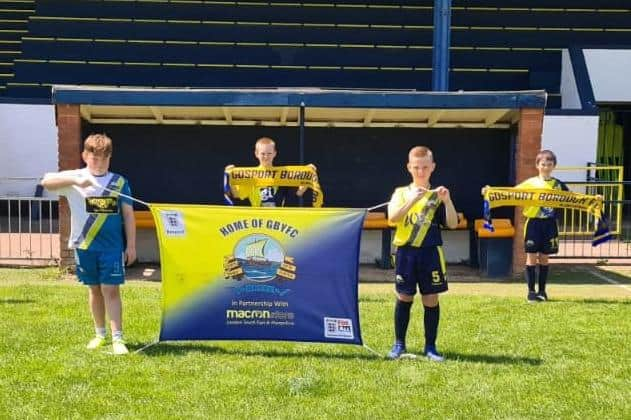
(99, 144)
(264, 141)
(420, 152)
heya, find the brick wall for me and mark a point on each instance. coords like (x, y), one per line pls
(69, 144)
(527, 146)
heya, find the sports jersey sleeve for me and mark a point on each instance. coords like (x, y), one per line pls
(396, 201)
(127, 191)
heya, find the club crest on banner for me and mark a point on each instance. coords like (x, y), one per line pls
(259, 258)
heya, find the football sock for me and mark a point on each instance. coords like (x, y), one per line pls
(401, 319)
(543, 278)
(100, 332)
(431, 318)
(530, 277)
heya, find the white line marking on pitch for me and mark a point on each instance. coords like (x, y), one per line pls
(611, 281)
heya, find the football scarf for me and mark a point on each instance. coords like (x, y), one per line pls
(512, 196)
(276, 176)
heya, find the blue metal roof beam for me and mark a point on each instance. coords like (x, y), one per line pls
(295, 97)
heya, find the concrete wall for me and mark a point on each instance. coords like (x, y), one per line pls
(28, 146)
(573, 138)
(608, 72)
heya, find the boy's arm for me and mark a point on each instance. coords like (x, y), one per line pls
(58, 180)
(451, 217)
(398, 207)
(236, 191)
(129, 221)
(301, 189)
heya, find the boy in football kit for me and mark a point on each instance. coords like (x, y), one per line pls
(271, 196)
(97, 219)
(418, 211)
(541, 233)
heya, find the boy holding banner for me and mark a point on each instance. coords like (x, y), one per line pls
(98, 218)
(418, 211)
(264, 195)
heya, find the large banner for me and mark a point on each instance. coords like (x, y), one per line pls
(245, 273)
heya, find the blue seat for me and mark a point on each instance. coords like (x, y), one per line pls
(550, 60)
(147, 52)
(534, 18)
(228, 33)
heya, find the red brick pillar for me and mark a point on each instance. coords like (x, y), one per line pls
(527, 146)
(69, 147)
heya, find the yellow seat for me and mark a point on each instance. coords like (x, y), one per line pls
(144, 219)
(503, 229)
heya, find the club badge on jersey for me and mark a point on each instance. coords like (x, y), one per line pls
(101, 205)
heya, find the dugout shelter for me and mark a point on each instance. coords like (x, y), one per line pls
(173, 144)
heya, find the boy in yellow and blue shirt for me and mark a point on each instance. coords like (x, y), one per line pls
(541, 233)
(271, 196)
(418, 212)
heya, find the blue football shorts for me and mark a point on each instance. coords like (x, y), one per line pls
(423, 268)
(100, 267)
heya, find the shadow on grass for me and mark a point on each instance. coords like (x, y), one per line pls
(584, 274)
(167, 348)
(15, 301)
(612, 301)
(492, 359)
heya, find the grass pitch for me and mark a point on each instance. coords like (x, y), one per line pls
(567, 358)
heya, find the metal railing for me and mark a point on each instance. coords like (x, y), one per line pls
(29, 230)
(577, 228)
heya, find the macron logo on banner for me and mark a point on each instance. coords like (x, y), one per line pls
(338, 328)
(173, 223)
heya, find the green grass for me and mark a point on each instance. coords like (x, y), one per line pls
(568, 358)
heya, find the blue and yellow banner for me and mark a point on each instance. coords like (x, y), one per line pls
(243, 273)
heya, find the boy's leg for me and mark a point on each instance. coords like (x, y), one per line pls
(97, 309)
(97, 306)
(433, 280)
(402, 317)
(531, 275)
(87, 272)
(112, 275)
(406, 289)
(543, 277)
(431, 320)
(532, 246)
(113, 306)
(550, 246)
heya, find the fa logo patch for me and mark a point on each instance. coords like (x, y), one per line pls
(399, 279)
(530, 242)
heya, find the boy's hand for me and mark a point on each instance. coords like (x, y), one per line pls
(417, 193)
(83, 182)
(443, 194)
(303, 188)
(130, 256)
(483, 191)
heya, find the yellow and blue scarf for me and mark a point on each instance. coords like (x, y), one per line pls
(513, 196)
(275, 176)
